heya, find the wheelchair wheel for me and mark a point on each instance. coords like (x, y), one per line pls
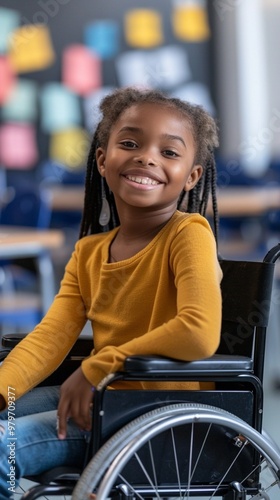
(184, 450)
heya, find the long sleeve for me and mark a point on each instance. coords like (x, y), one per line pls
(43, 350)
(184, 307)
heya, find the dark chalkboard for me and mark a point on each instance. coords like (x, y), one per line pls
(66, 21)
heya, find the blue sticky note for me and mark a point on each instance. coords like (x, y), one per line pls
(22, 102)
(9, 20)
(60, 108)
(103, 37)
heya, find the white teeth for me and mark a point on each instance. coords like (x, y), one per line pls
(142, 180)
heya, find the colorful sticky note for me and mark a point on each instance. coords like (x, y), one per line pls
(7, 79)
(162, 68)
(22, 102)
(9, 21)
(60, 107)
(190, 20)
(81, 69)
(133, 68)
(18, 147)
(103, 37)
(143, 28)
(91, 107)
(30, 48)
(169, 66)
(70, 147)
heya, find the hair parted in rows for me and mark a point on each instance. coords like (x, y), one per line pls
(205, 134)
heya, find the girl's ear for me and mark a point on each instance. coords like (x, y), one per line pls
(194, 177)
(100, 160)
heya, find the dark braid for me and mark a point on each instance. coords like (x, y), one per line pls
(90, 202)
(204, 131)
(199, 196)
(214, 200)
(93, 196)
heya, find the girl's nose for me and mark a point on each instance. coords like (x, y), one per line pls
(145, 160)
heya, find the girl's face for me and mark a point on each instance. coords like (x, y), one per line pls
(149, 157)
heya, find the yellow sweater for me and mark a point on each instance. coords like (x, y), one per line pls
(165, 300)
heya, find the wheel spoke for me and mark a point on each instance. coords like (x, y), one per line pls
(153, 462)
(190, 459)
(176, 460)
(229, 468)
(201, 449)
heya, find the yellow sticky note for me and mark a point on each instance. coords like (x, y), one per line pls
(31, 48)
(190, 21)
(70, 147)
(143, 28)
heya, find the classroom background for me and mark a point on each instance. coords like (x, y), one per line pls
(58, 58)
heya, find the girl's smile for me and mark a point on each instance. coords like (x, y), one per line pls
(141, 182)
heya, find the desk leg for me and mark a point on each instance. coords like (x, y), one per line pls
(47, 280)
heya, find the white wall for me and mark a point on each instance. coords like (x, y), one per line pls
(271, 11)
(247, 46)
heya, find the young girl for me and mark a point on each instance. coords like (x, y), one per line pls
(144, 273)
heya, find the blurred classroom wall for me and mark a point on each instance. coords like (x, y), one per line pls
(247, 74)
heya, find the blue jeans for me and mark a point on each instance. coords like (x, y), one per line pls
(29, 444)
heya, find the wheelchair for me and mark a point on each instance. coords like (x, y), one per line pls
(184, 444)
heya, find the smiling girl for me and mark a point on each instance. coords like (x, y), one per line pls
(144, 273)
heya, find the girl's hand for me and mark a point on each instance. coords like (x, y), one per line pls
(75, 402)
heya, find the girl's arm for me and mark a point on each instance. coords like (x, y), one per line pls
(194, 332)
(43, 350)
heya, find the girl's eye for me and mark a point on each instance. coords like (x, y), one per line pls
(169, 152)
(129, 144)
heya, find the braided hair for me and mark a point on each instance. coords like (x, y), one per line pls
(205, 134)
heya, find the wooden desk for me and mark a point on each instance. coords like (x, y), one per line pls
(67, 198)
(243, 201)
(232, 201)
(24, 242)
(14, 235)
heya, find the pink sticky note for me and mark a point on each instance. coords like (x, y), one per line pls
(7, 79)
(18, 148)
(81, 69)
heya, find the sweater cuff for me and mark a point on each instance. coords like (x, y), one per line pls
(92, 374)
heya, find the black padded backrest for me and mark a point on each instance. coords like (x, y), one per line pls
(246, 293)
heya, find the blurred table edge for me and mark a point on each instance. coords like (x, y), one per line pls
(232, 201)
(25, 242)
(21, 235)
(247, 201)
(66, 198)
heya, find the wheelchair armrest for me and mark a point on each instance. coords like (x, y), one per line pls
(82, 347)
(3, 354)
(10, 340)
(79, 351)
(216, 364)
